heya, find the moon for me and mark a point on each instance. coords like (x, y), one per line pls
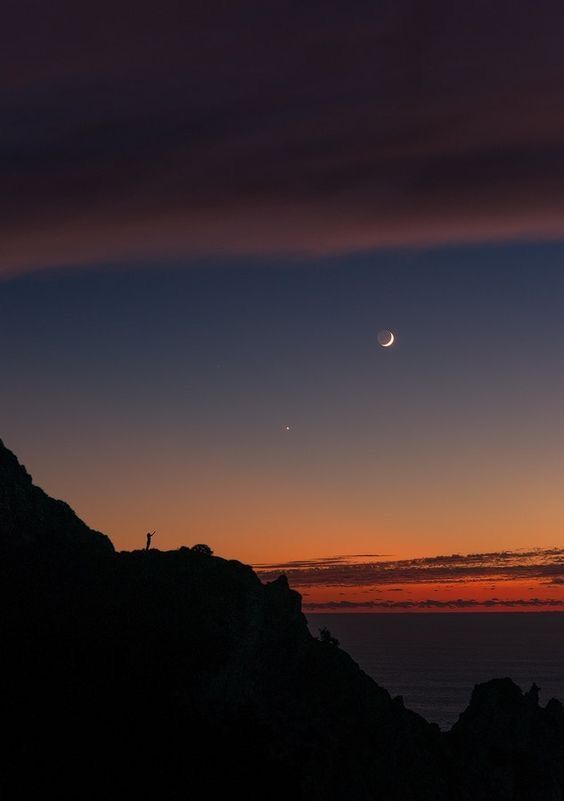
(386, 338)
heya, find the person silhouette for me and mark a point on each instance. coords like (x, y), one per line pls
(149, 539)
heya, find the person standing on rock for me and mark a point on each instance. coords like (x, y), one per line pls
(149, 539)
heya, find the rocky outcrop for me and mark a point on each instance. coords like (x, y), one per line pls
(507, 746)
(30, 517)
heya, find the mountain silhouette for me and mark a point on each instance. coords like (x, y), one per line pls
(30, 517)
(179, 675)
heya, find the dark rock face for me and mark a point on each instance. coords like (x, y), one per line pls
(509, 747)
(179, 675)
(30, 517)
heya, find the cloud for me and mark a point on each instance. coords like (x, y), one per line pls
(324, 561)
(303, 128)
(546, 564)
(458, 603)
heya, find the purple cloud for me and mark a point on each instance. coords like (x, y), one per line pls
(304, 127)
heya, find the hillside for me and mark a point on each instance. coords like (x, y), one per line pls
(179, 675)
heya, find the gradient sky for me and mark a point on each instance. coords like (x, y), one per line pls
(208, 212)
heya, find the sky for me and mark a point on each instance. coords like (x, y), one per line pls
(210, 210)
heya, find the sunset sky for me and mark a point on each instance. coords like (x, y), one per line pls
(208, 214)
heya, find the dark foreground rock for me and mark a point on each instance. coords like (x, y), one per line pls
(177, 675)
(509, 747)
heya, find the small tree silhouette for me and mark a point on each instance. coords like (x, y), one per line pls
(203, 550)
(327, 638)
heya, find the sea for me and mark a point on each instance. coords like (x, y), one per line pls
(434, 660)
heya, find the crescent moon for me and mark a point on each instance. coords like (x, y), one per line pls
(390, 341)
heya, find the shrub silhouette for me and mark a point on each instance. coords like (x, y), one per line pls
(203, 550)
(327, 638)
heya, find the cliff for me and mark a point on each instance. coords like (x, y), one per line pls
(180, 675)
(29, 517)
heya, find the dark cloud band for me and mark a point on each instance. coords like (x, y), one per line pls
(545, 564)
(455, 604)
(215, 127)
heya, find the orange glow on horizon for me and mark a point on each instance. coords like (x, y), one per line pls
(436, 584)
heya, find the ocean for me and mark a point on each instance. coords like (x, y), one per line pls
(434, 660)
